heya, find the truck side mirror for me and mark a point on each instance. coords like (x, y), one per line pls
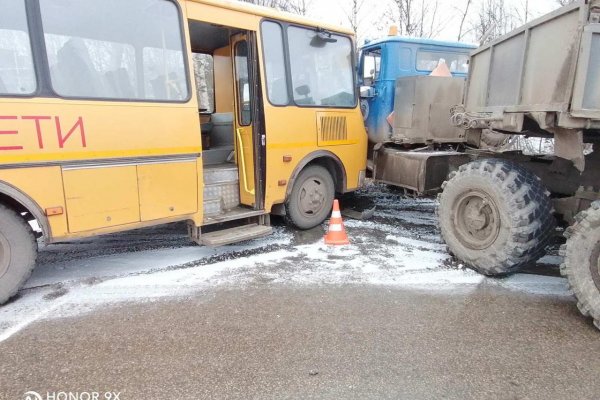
(367, 92)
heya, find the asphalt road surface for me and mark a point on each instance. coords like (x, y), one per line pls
(147, 315)
(334, 342)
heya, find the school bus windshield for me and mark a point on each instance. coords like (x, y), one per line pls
(322, 73)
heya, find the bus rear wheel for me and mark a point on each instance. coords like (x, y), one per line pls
(311, 199)
(18, 252)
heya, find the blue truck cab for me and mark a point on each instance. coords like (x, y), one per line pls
(385, 60)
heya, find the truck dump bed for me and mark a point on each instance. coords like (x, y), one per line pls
(547, 70)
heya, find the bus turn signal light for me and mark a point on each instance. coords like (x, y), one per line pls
(54, 211)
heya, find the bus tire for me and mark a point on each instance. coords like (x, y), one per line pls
(495, 216)
(311, 199)
(581, 266)
(18, 252)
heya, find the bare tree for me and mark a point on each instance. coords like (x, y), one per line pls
(493, 20)
(434, 29)
(464, 14)
(419, 18)
(405, 16)
(278, 4)
(356, 12)
(523, 12)
(300, 7)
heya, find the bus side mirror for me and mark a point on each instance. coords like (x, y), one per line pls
(321, 39)
(367, 92)
(303, 90)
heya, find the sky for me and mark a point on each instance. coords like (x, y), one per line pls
(332, 11)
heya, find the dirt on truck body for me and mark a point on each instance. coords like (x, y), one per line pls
(498, 210)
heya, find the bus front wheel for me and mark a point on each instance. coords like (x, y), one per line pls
(311, 199)
(18, 252)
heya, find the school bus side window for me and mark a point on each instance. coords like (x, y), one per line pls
(277, 85)
(17, 76)
(114, 49)
(322, 68)
(242, 77)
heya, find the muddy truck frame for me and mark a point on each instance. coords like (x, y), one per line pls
(498, 210)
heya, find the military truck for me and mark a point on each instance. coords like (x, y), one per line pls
(498, 209)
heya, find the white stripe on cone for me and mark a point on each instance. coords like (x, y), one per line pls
(335, 228)
(336, 214)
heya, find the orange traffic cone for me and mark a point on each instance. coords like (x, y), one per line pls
(336, 234)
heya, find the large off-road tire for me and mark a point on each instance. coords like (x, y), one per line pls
(495, 216)
(311, 199)
(18, 251)
(582, 261)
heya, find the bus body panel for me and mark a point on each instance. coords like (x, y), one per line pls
(292, 133)
(44, 186)
(77, 136)
(72, 131)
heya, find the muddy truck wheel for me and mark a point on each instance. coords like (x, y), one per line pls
(582, 261)
(311, 199)
(495, 216)
(18, 251)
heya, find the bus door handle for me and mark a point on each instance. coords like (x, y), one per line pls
(242, 160)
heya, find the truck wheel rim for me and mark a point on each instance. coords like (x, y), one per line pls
(4, 255)
(312, 197)
(477, 220)
(595, 265)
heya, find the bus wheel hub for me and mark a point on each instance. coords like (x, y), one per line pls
(312, 197)
(4, 255)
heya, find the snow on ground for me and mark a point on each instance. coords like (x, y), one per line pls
(400, 247)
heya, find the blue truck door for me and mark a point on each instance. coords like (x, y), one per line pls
(371, 86)
(380, 66)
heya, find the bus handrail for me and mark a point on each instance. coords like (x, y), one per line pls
(243, 161)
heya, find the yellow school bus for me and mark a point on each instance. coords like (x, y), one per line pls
(118, 115)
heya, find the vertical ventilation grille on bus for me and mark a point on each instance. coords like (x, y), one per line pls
(334, 128)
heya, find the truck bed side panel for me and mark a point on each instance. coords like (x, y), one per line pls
(530, 69)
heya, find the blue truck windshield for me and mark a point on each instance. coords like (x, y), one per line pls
(428, 60)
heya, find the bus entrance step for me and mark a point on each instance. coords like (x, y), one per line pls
(235, 235)
(213, 206)
(228, 193)
(223, 173)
